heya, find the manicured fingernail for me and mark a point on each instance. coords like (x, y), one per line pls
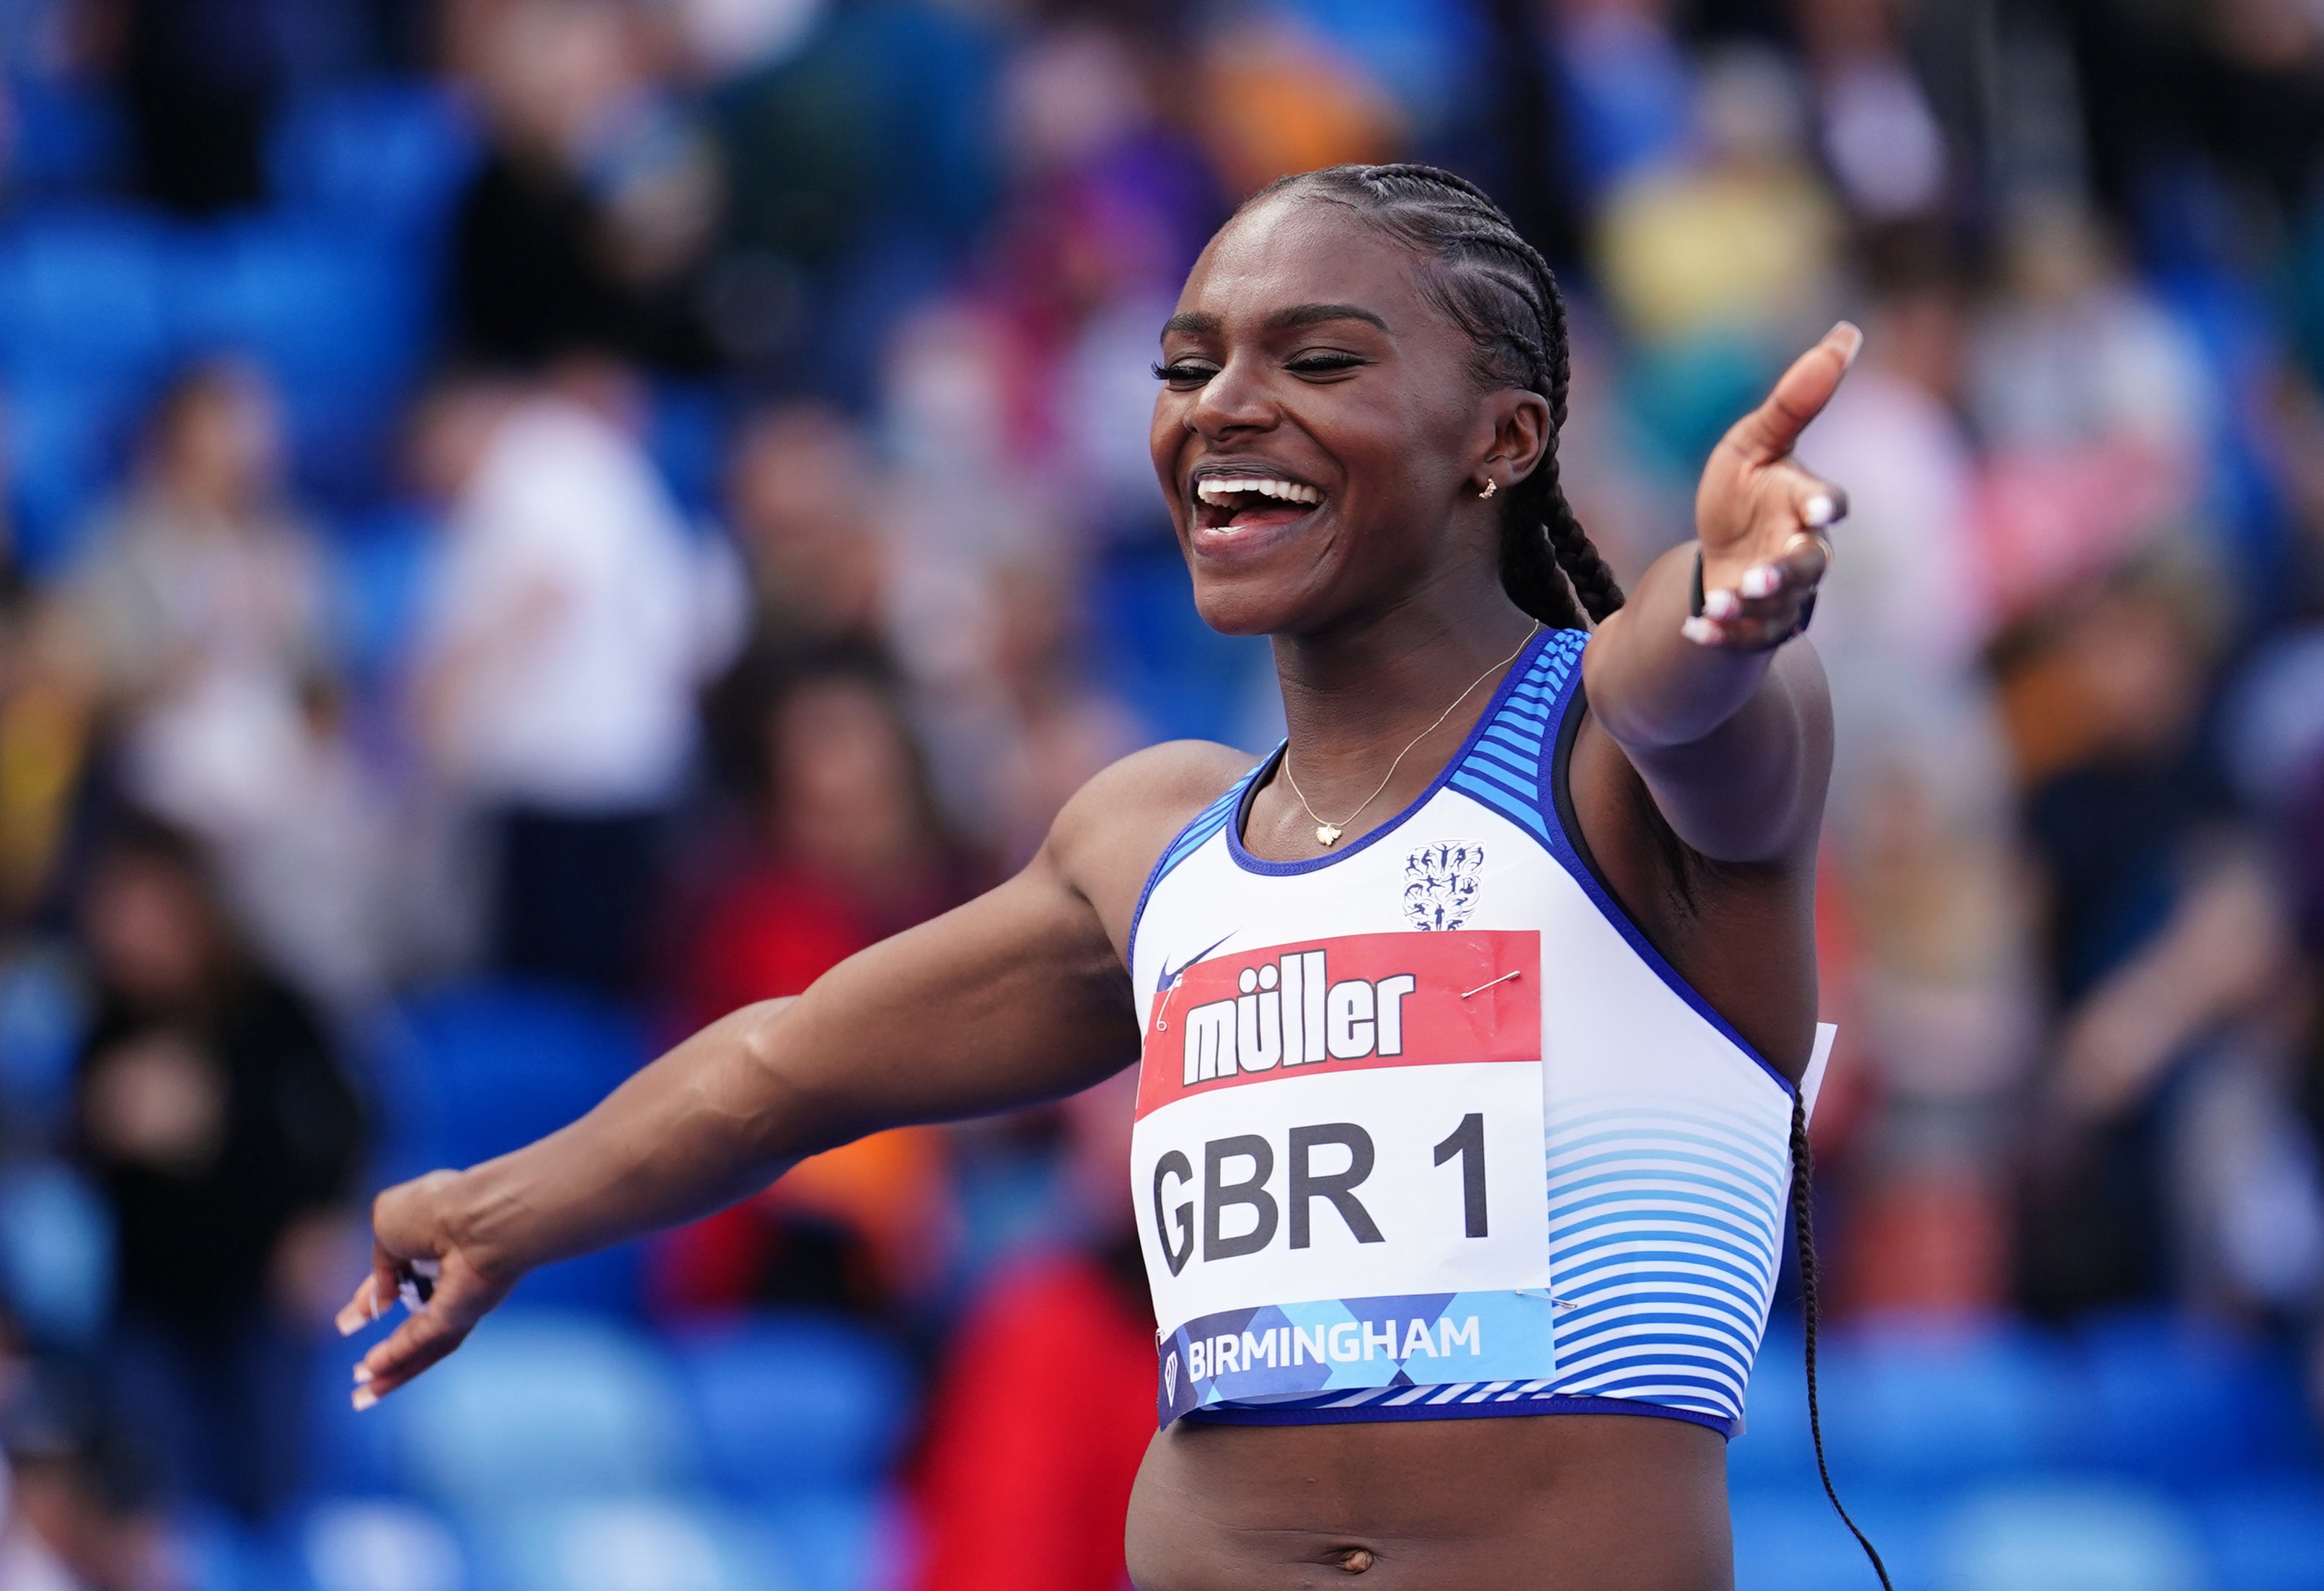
(348, 1322)
(1701, 631)
(1722, 605)
(364, 1399)
(1821, 510)
(1759, 580)
(362, 1375)
(1852, 341)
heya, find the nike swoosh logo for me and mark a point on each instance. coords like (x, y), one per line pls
(1170, 975)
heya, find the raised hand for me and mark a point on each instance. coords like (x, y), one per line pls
(410, 1227)
(1760, 517)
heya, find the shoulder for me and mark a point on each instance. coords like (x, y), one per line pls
(1106, 840)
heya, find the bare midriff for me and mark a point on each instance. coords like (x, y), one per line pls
(1550, 1502)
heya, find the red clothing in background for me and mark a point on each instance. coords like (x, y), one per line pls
(1036, 1430)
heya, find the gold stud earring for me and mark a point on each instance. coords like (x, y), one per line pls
(1491, 486)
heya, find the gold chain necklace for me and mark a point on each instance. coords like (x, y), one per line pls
(1326, 833)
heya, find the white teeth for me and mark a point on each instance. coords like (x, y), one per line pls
(1219, 489)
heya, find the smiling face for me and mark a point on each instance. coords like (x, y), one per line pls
(1321, 433)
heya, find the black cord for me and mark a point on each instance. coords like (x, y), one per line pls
(1804, 1235)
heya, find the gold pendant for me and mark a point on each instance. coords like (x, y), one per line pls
(1325, 833)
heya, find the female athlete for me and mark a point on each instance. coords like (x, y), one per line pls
(1472, 1020)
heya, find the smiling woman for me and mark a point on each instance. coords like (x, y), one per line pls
(1466, 1122)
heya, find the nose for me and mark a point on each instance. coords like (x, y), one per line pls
(1234, 400)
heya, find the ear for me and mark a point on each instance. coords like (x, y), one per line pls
(1520, 434)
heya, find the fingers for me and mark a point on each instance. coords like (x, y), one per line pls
(363, 1308)
(1769, 431)
(414, 1345)
(1766, 606)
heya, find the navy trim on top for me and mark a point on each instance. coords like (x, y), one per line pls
(1570, 848)
(1185, 844)
(1372, 1413)
(1517, 674)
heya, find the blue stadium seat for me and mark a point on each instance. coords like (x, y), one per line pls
(795, 1402)
(632, 1544)
(856, 1542)
(476, 1070)
(2059, 1535)
(56, 1254)
(69, 136)
(375, 1544)
(2181, 1399)
(1788, 1539)
(64, 438)
(84, 292)
(319, 307)
(347, 1454)
(382, 156)
(472, 1072)
(1923, 1400)
(540, 1406)
(2266, 1535)
(211, 1550)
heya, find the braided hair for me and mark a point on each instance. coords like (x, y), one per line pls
(1495, 287)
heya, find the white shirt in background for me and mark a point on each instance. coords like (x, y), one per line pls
(576, 615)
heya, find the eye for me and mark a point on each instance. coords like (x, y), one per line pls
(1184, 373)
(1324, 364)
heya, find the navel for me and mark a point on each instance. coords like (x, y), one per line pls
(1353, 1560)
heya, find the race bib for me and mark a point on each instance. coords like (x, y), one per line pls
(1339, 1168)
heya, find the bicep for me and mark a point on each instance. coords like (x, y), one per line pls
(1016, 997)
(1753, 789)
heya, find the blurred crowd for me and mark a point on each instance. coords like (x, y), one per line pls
(631, 501)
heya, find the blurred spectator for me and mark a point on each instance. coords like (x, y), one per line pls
(581, 231)
(846, 847)
(1018, 1499)
(79, 1495)
(203, 604)
(1920, 835)
(2169, 945)
(1879, 134)
(1722, 262)
(2086, 394)
(569, 624)
(805, 502)
(217, 1125)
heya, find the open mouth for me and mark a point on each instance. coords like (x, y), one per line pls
(1249, 502)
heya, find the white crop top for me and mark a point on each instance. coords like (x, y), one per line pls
(1427, 1130)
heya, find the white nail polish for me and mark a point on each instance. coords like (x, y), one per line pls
(1821, 510)
(362, 1375)
(1701, 631)
(364, 1399)
(1759, 580)
(1722, 605)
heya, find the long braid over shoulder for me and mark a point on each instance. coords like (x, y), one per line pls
(1496, 288)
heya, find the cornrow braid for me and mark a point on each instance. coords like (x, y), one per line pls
(1496, 288)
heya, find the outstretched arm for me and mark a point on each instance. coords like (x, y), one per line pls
(1018, 996)
(1729, 726)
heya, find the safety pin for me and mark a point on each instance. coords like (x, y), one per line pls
(1504, 977)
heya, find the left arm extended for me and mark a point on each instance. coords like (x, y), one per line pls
(1729, 728)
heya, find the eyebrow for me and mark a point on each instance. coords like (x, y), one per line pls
(1197, 323)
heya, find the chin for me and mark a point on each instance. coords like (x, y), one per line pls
(1252, 602)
